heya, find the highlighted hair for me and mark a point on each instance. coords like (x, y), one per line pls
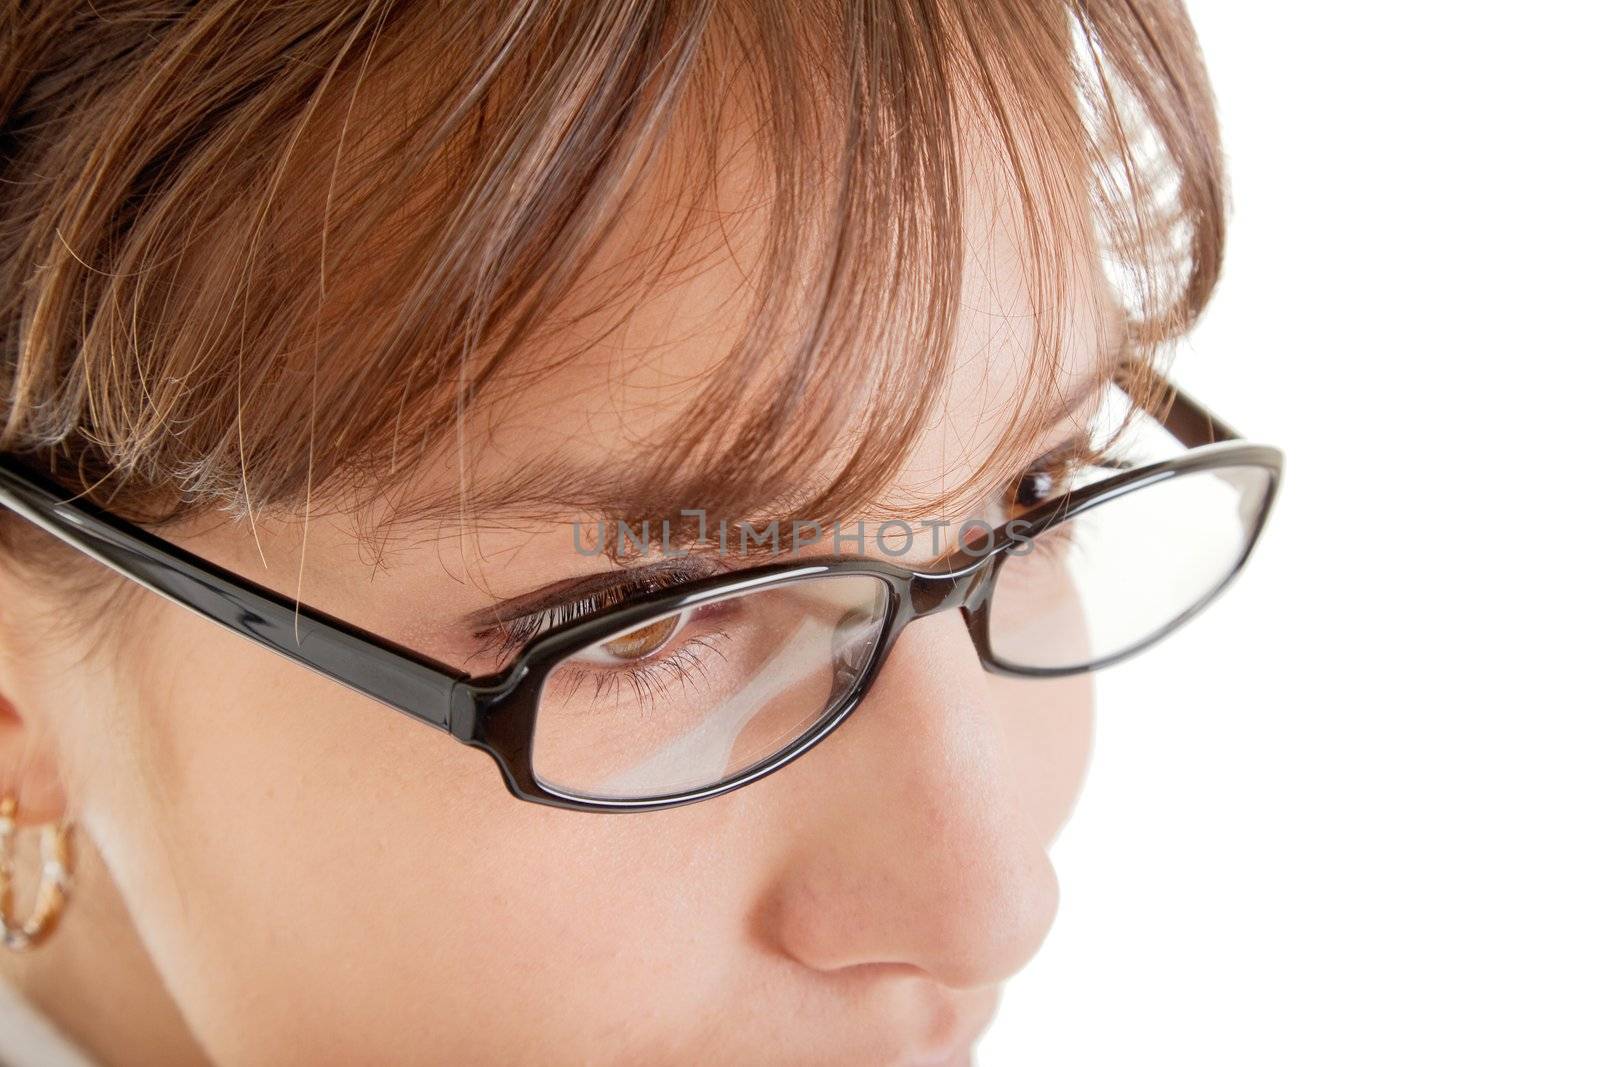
(259, 255)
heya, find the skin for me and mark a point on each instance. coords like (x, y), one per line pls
(274, 869)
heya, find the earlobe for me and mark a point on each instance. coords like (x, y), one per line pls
(29, 760)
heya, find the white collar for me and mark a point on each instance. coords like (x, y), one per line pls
(28, 1039)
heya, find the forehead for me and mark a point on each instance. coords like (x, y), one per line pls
(591, 406)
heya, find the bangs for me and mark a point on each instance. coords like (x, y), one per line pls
(434, 209)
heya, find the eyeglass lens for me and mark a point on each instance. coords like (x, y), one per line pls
(1119, 573)
(697, 697)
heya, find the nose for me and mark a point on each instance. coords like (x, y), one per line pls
(916, 844)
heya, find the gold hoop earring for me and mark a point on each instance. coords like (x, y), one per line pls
(55, 880)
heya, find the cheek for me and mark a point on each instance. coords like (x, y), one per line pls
(1048, 728)
(309, 867)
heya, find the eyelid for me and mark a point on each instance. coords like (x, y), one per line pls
(1077, 450)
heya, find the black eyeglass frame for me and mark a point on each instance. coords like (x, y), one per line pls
(497, 712)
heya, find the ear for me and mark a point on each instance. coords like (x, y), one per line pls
(29, 769)
(29, 763)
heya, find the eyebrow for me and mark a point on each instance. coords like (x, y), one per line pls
(556, 488)
(695, 562)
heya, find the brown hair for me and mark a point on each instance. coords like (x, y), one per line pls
(254, 255)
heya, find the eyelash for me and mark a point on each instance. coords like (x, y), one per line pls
(512, 635)
(649, 678)
(1055, 544)
(1055, 470)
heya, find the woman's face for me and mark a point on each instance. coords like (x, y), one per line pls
(320, 879)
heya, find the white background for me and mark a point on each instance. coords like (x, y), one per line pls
(1352, 813)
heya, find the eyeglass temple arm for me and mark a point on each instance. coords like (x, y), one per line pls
(363, 661)
(1184, 418)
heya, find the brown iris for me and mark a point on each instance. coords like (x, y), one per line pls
(644, 641)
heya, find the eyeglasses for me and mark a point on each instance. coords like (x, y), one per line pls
(685, 693)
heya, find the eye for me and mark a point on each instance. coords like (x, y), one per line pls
(639, 643)
(1053, 474)
(510, 634)
(1034, 487)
